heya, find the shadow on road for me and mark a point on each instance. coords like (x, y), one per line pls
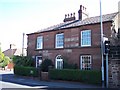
(11, 78)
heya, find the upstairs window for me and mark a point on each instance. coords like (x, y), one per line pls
(60, 40)
(40, 42)
(86, 38)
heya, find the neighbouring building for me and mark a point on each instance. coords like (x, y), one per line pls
(12, 51)
(78, 40)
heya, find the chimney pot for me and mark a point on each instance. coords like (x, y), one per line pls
(74, 14)
(65, 15)
(71, 14)
(68, 15)
(83, 7)
(80, 7)
(10, 46)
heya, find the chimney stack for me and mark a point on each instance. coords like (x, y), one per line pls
(82, 13)
(69, 17)
(12, 46)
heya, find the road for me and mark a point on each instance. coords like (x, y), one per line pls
(12, 85)
(9, 80)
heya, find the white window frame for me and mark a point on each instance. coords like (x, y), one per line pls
(58, 41)
(38, 61)
(40, 42)
(86, 66)
(83, 39)
(59, 59)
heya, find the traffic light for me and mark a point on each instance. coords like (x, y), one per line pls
(106, 47)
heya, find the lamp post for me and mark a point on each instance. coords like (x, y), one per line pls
(23, 45)
(101, 30)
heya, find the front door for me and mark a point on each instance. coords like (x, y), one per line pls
(38, 61)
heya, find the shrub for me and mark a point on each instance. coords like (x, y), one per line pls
(45, 65)
(67, 65)
(92, 77)
(5, 61)
(23, 61)
(25, 71)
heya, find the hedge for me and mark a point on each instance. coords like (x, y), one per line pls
(25, 71)
(86, 76)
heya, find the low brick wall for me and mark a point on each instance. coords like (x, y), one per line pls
(114, 67)
(114, 73)
(44, 76)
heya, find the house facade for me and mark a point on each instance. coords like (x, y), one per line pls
(79, 41)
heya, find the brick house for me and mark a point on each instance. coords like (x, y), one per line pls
(77, 40)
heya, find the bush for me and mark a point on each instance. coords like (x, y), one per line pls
(5, 61)
(92, 77)
(25, 71)
(23, 61)
(45, 65)
(67, 65)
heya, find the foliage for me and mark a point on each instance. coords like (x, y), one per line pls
(86, 76)
(45, 65)
(26, 71)
(23, 61)
(67, 65)
(1, 56)
(4, 60)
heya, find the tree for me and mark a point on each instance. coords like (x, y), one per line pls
(1, 56)
(4, 60)
(45, 65)
(23, 61)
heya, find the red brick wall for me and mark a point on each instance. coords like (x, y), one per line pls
(72, 47)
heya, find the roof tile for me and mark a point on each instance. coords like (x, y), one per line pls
(75, 23)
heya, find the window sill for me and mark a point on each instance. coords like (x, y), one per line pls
(37, 49)
(85, 45)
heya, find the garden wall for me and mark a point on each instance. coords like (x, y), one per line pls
(114, 67)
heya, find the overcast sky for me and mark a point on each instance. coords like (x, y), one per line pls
(28, 16)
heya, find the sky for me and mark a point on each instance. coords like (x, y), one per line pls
(28, 16)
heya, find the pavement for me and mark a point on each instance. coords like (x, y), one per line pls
(9, 77)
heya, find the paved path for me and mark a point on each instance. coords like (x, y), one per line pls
(8, 76)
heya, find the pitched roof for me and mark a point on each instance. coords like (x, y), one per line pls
(11, 52)
(76, 23)
(92, 20)
(55, 27)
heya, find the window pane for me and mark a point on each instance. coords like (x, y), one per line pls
(86, 38)
(59, 40)
(59, 64)
(86, 62)
(39, 42)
